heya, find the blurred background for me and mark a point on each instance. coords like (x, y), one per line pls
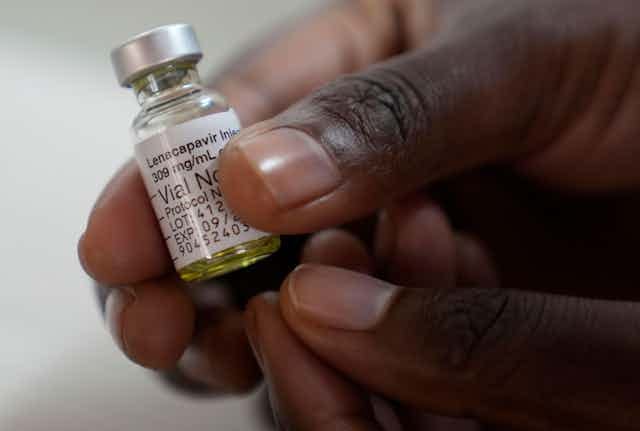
(64, 132)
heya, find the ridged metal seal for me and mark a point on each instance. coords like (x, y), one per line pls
(154, 48)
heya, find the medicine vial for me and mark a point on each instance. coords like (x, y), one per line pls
(179, 134)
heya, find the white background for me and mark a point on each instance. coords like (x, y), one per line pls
(63, 132)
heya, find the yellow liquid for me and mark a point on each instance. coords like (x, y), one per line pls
(230, 259)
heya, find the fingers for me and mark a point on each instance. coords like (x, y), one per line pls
(305, 394)
(219, 356)
(500, 90)
(415, 244)
(503, 356)
(343, 38)
(336, 247)
(151, 322)
(356, 144)
(122, 243)
(156, 325)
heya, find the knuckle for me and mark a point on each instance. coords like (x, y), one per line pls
(471, 333)
(373, 116)
(462, 321)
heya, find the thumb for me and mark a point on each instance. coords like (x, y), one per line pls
(366, 138)
(361, 141)
(503, 356)
(548, 80)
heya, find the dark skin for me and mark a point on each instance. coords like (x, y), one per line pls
(508, 294)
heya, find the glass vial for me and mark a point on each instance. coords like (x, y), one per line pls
(179, 135)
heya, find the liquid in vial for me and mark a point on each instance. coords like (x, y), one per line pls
(179, 134)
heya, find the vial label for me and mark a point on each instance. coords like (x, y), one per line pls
(180, 169)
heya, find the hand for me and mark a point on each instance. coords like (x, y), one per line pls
(523, 121)
(306, 393)
(119, 246)
(156, 321)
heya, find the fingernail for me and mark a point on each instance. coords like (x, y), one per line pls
(270, 297)
(251, 327)
(117, 302)
(295, 168)
(195, 365)
(253, 337)
(339, 298)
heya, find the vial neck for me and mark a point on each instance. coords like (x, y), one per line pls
(167, 83)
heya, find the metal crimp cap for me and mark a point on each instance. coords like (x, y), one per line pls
(154, 48)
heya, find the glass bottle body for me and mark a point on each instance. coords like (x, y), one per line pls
(170, 96)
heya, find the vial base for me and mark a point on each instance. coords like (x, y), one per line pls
(230, 259)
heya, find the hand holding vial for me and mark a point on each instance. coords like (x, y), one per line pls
(496, 143)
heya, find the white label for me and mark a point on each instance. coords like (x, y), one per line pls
(180, 168)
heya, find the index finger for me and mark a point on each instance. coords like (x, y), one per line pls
(122, 243)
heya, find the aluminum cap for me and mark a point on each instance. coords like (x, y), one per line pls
(154, 48)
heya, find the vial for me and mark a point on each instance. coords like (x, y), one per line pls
(178, 135)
